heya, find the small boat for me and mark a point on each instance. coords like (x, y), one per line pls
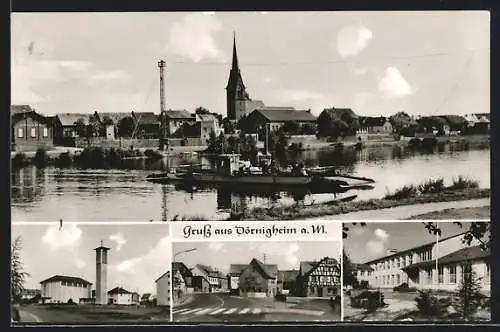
(331, 173)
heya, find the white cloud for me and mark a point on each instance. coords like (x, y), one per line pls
(216, 246)
(27, 73)
(120, 240)
(268, 79)
(80, 264)
(299, 95)
(352, 40)
(291, 254)
(156, 256)
(381, 234)
(394, 84)
(359, 71)
(192, 37)
(375, 247)
(67, 237)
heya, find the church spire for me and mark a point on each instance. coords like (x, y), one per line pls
(235, 56)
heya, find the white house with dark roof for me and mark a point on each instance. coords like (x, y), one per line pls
(163, 289)
(417, 266)
(208, 123)
(118, 295)
(276, 117)
(62, 289)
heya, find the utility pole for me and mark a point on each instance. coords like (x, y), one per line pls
(162, 65)
(265, 257)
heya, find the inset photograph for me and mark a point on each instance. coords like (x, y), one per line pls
(77, 274)
(256, 281)
(417, 271)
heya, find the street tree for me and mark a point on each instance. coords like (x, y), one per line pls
(228, 126)
(252, 282)
(348, 271)
(17, 274)
(469, 292)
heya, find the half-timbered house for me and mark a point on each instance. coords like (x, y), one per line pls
(319, 278)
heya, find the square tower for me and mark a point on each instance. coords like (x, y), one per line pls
(101, 274)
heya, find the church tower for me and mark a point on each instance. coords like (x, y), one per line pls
(235, 89)
(101, 274)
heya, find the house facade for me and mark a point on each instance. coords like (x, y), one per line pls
(208, 123)
(275, 118)
(200, 284)
(30, 130)
(65, 130)
(120, 296)
(62, 289)
(173, 120)
(213, 276)
(163, 289)
(147, 125)
(375, 125)
(363, 272)
(287, 281)
(258, 280)
(417, 266)
(182, 280)
(319, 279)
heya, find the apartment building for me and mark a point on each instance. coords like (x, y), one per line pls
(436, 265)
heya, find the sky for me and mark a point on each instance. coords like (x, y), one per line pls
(375, 239)
(377, 63)
(133, 262)
(287, 255)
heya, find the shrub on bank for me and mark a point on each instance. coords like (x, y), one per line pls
(404, 192)
(463, 183)
(41, 158)
(63, 160)
(431, 186)
(20, 160)
(153, 154)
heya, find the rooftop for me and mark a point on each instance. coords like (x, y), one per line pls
(461, 255)
(119, 290)
(285, 114)
(58, 278)
(420, 247)
(178, 114)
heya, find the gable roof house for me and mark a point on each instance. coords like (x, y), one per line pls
(148, 124)
(258, 279)
(30, 130)
(319, 278)
(173, 120)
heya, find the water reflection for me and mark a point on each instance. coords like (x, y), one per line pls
(124, 195)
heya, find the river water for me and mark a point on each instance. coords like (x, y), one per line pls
(51, 194)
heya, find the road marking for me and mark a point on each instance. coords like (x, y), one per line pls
(217, 311)
(204, 311)
(244, 311)
(191, 311)
(179, 310)
(230, 311)
(256, 311)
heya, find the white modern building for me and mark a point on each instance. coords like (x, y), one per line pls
(163, 289)
(121, 296)
(62, 289)
(437, 265)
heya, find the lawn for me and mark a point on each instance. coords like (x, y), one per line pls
(483, 212)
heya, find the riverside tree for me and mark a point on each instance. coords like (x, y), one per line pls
(126, 127)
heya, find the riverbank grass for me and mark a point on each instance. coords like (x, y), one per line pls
(431, 191)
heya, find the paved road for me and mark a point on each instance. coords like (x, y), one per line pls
(407, 211)
(227, 308)
(93, 314)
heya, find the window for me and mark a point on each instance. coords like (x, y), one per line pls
(410, 259)
(440, 275)
(33, 132)
(487, 273)
(429, 276)
(63, 283)
(398, 279)
(20, 132)
(45, 132)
